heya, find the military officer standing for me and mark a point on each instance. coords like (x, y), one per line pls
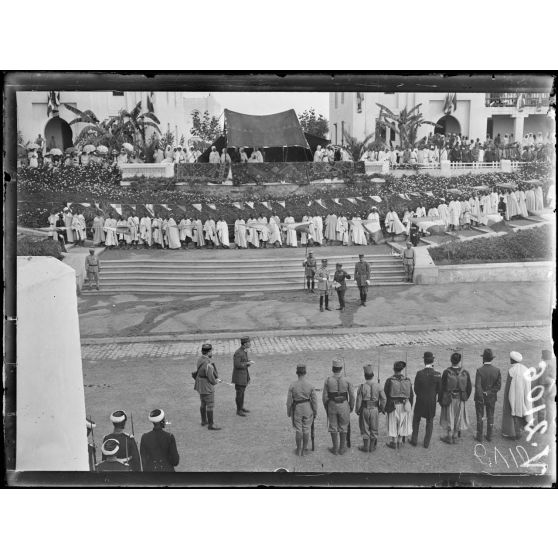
(302, 408)
(206, 380)
(158, 448)
(92, 267)
(488, 382)
(324, 284)
(427, 387)
(310, 265)
(370, 400)
(339, 279)
(339, 401)
(241, 374)
(128, 453)
(362, 278)
(110, 462)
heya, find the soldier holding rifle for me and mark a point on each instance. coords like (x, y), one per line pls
(127, 453)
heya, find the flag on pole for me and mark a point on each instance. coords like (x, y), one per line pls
(149, 207)
(281, 203)
(53, 102)
(250, 205)
(336, 200)
(454, 102)
(198, 206)
(238, 205)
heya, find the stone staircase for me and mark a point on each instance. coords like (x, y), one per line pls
(201, 275)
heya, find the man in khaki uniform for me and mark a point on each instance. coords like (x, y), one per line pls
(92, 267)
(370, 400)
(302, 408)
(206, 380)
(339, 401)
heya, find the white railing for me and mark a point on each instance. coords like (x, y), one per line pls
(149, 170)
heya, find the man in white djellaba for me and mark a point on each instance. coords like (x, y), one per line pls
(357, 232)
(393, 224)
(374, 226)
(291, 232)
(240, 233)
(275, 234)
(318, 229)
(330, 228)
(342, 230)
(222, 230)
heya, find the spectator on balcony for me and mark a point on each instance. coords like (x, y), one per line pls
(214, 158)
(243, 156)
(122, 158)
(259, 155)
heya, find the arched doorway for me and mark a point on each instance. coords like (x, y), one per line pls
(58, 134)
(447, 125)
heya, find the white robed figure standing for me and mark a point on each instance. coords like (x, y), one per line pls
(183, 227)
(539, 198)
(210, 231)
(157, 228)
(291, 232)
(252, 235)
(444, 213)
(303, 233)
(331, 227)
(240, 233)
(454, 212)
(197, 231)
(393, 224)
(110, 229)
(374, 226)
(68, 217)
(133, 224)
(172, 234)
(517, 404)
(357, 232)
(522, 204)
(318, 229)
(530, 200)
(222, 230)
(78, 227)
(275, 233)
(342, 230)
(145, 230)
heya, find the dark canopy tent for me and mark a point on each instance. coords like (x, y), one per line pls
(279, 136)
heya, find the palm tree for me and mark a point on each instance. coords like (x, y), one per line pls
(355, 147)
(96, 132)
(406, 123)
(138, 123)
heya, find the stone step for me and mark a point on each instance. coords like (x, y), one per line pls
(147, 289)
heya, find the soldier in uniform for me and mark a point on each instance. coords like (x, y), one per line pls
(128, 453)
(339, 277)
(488, 382)
(310, 266)
(339, 401)
(362, 278)
(427, 386)
(92, 267)
(324, 278)
(370, 401)
(241, 375)
(455, 390)
(206, 380)
(302, 408)
(409, 257)
(158, 448)
(110, 462)
(91, 449)
(399, 396)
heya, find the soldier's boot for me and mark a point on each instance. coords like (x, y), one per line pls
(298, 438)
(305, 439)
(480, 428)
(335, 441)
(373, 444)
(343, 443)
(365, 445)
(210, 420)
(321, 303)
(313, 286)
(489, 432)
(327, 302)
(203, 416)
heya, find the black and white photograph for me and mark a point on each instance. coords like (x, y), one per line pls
(246, 276)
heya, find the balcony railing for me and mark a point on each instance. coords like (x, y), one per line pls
(510, 100)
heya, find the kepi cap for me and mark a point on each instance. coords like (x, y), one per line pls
(244, 339)
(337, 363)
(301, 368)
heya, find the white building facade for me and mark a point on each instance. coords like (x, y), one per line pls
(474, 115)
(171, 108)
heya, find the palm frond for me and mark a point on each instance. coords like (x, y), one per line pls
(151, 116)
(385, 109)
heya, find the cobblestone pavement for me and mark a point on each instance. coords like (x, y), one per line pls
(308, 343)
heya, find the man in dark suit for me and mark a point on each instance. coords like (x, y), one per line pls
(488, 382)
(427, 386)
(158, 448)
(241, 375)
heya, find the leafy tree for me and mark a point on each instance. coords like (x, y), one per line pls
(406, 123)
(137, 123)
(356, 147)
(205, 127)
(313, 123)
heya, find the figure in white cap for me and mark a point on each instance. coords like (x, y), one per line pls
(517, 405)
(128, 453)
(110, 461)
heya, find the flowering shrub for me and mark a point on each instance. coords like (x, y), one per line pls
(29, 246)
(521, 246)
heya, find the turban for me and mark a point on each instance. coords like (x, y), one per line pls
(156, 415)
(514, 355)
(110, 447)
(118, 417)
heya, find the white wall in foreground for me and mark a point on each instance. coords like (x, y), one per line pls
(51, 433)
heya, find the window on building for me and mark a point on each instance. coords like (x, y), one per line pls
(342, 132)
(391, 134)
(335, 130)
(342, 97)
(336, 99)
(118, 93)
